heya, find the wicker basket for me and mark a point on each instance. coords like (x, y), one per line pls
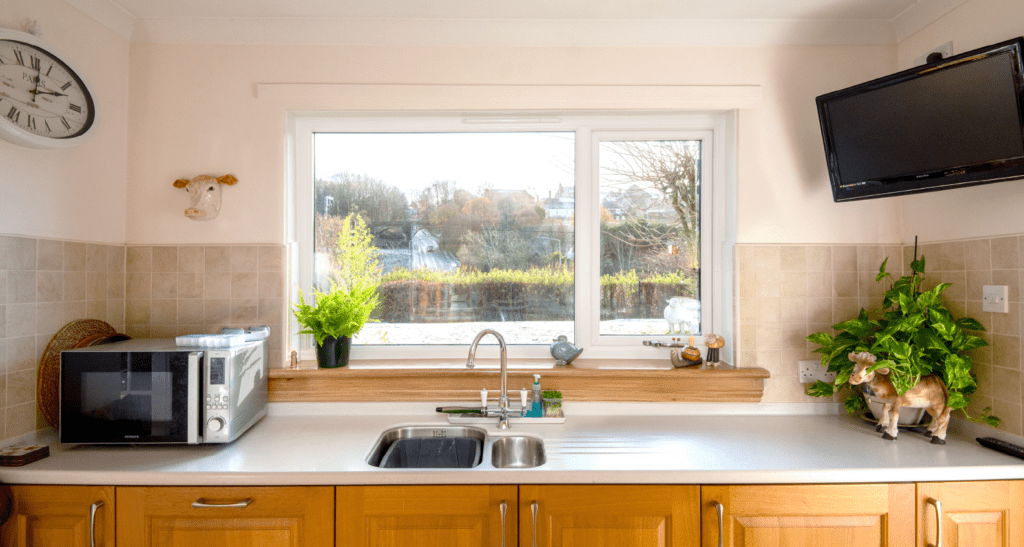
(76, 334)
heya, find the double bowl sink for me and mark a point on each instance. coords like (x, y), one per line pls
(454, 447)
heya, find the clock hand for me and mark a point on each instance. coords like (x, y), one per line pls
(55, 93)
(35, 91)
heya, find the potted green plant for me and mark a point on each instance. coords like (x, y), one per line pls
(335, 316)
(914, 336)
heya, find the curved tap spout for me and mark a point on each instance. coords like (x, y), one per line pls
(471, 362)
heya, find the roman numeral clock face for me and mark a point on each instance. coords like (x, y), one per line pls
(44, 103)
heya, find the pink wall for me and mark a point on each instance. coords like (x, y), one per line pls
(76, 193)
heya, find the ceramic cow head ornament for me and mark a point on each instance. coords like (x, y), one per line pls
(204, 191)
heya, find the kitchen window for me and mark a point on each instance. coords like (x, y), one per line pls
(535, 226)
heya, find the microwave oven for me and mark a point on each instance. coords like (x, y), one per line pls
(154, 391)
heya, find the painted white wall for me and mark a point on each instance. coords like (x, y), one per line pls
(76, 193)
(194, 110)
(980, 211)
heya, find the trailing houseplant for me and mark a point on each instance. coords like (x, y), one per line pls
(336, 315)
(915, 336)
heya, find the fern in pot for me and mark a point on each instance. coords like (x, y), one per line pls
(335, 316)
(914, 337)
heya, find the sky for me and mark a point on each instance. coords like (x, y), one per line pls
(537, 162)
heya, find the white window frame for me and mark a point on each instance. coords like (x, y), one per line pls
(715, 130)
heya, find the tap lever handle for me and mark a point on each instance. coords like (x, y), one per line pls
(522, 398)
(483, 399)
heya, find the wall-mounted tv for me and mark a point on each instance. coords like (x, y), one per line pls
(948, 124)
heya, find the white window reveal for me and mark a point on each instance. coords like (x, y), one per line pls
(592, 227)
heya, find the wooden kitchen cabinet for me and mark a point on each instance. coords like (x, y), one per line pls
(609, 515)
(59, 515)
(426, 516)
(225, 516)
(844, 515)
(978, 514)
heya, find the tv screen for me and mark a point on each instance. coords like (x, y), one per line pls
(952, 123)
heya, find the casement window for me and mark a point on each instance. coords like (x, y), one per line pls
(534, 226)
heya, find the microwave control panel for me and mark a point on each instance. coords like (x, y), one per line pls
(218, 403)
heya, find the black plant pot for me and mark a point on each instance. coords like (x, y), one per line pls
(334, 352)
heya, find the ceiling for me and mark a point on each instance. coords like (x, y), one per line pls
(519, 22)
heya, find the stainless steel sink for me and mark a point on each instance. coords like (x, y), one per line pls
(453, 447)
(436, 447)
(517, 452)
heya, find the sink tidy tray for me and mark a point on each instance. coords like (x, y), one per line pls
(481, 419)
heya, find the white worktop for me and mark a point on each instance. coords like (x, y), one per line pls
(306, 444)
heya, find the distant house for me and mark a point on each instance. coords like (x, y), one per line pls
(561, 204)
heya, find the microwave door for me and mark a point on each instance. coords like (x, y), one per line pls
(126, 397)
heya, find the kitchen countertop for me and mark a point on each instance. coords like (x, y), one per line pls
(305, 445)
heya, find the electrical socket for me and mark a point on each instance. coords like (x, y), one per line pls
(812, 371)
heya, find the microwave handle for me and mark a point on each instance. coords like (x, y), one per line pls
(195, 381)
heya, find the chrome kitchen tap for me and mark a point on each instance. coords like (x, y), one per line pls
(503, 406)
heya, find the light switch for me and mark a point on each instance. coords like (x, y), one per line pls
(995, 298)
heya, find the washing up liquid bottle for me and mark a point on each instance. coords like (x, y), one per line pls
(537, 408)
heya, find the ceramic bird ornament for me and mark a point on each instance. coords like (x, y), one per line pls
(563, 351)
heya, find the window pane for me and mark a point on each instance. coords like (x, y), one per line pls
(473, 231)
(650, 237)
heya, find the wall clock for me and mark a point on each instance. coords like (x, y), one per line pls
(45, 101)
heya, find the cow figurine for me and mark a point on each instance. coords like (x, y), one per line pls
(683, 313)
(929, 393)
(204, 191)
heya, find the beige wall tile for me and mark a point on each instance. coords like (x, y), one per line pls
(244, 259)
(191, 259)
(270, 311)
(50, 286)
(844, 258)
(794, 258)
(74, 311)
(137, 311)
(978, 254)
(21, 419)
(1009, 415)
(49, 255)
(271, 259)
(74, 256)
(244, 285)
(190, 285)
(21, 253)
(1005, 253)
(1010, 278)
(115, 258)
(3, 330)
(95, 258)
(769, 310)
(794, 310)
(958, 290)
(21, 287)
(953, 256)
(217, 310)
(74, 285)
(139, 286)
(976, 279)
(869, 258)
(748, 310)
(844, 309)
(163, 311)
(21, 320)
(771, 360)
(768, 337)
(243, 311)
(137, 331)
(1007, 323)
(21, 353)
(932, 254)
(3, 286)
(793, 283)
(767, 258)
(165, 259)
(218, 259)
(139, 259)
(21, 387)
(115, 313)
(271, 284)
(1005, 384)
(115, 285)
(190, 312)
(97, 309)
(819, 284)
(1006, 351)
(96, 285)
(49, 317)
(845, 284)
(768, 284)
(165, 285)
(748, 283)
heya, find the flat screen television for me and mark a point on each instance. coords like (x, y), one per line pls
(948, 124)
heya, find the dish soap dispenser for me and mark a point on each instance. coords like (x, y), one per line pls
(537, 407)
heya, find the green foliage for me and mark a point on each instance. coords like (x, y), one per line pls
(915, 336)
(346, 307)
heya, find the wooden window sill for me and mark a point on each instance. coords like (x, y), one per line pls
(438, 380)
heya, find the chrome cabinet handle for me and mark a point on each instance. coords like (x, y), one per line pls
(503, 508)
(938, 520)
(202, 504)
(92, 522)
(721, 528)
(533, 509)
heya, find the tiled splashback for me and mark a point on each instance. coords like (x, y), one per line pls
(175, 290)
(789, 291)
(44, 284)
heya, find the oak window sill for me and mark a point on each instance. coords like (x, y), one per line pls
(446, 380)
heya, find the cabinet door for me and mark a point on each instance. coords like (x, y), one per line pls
(59, 515)
(609, 516)
(225, 517)
(426, 516)
(849, 515)
(978, 514)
